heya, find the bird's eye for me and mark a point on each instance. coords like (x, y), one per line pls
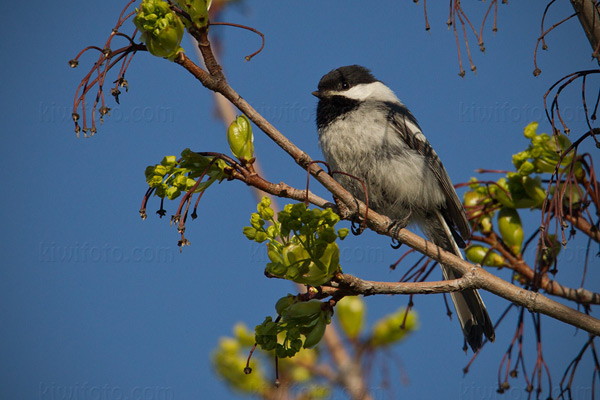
(345, 85)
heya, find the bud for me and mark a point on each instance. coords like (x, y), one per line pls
(473, 199)
(283, 303)
(499, 193)
(197, 10)
(511, 229)
(543, 164)
(180, 182)
(160, 170)
(533, 188)
(350, 311)
(389, 329)
(161, 28)
(485, 224)
(302, 310)
(477, 253)
(249, 232)
(149, 172)
(530, 130)
(526, 168)
(343, 232)
(264, 209)
(314, 336)
(169, 161)
(240, 138)
(520, 158)
(172, 193)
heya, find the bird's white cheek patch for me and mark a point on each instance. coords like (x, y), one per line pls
(369, 91)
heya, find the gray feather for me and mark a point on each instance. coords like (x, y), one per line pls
(470, 309)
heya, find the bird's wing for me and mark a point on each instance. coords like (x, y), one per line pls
(406, 126)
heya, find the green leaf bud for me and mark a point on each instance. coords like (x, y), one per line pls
(511, 229)
(160, 170)
(149, 172)
(172, 193)
(240, 138)
(180, 181)
(272, 231)
(533, 188)
(476, 254)
(297, 210)
(256, 221)
(535, 152)
(316, 213)
(284, 302)
(526, 168)
(499, 193)
(343, 232)
(277, 269)
(160, 190)
(155, 181)
(260, 236)
(389, 329)
(316, 333)
(543, 164)
(161, 28)
(266, 213)
(328, 235)
(473, 199)
(189, 183)
(350, 311)
(520, 158)
(519, 196)
(169, 161)
(197, 10)
(530, 130)
(274, 255)
(485, 224)
(250, 232)
(292, 273)
(307, 310)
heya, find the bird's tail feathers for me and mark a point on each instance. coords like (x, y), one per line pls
(470, 309)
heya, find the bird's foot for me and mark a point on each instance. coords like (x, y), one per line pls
(394, 228)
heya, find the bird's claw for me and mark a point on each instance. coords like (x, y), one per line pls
(394, 228)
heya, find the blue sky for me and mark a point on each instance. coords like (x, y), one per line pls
(92, 296)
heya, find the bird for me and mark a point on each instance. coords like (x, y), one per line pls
(367, 132)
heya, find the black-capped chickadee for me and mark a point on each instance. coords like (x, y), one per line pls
(366, 131)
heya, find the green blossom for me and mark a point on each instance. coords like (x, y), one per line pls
(162, 30)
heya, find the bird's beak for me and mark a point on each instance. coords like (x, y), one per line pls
(316, 93)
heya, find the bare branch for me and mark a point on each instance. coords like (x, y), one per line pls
(349, 285)
(589, 17)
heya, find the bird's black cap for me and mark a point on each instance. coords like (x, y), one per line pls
(343, 78)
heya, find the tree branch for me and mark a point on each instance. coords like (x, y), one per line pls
(349, 371)
(590, 21)
(348, 285)
(581, 295)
